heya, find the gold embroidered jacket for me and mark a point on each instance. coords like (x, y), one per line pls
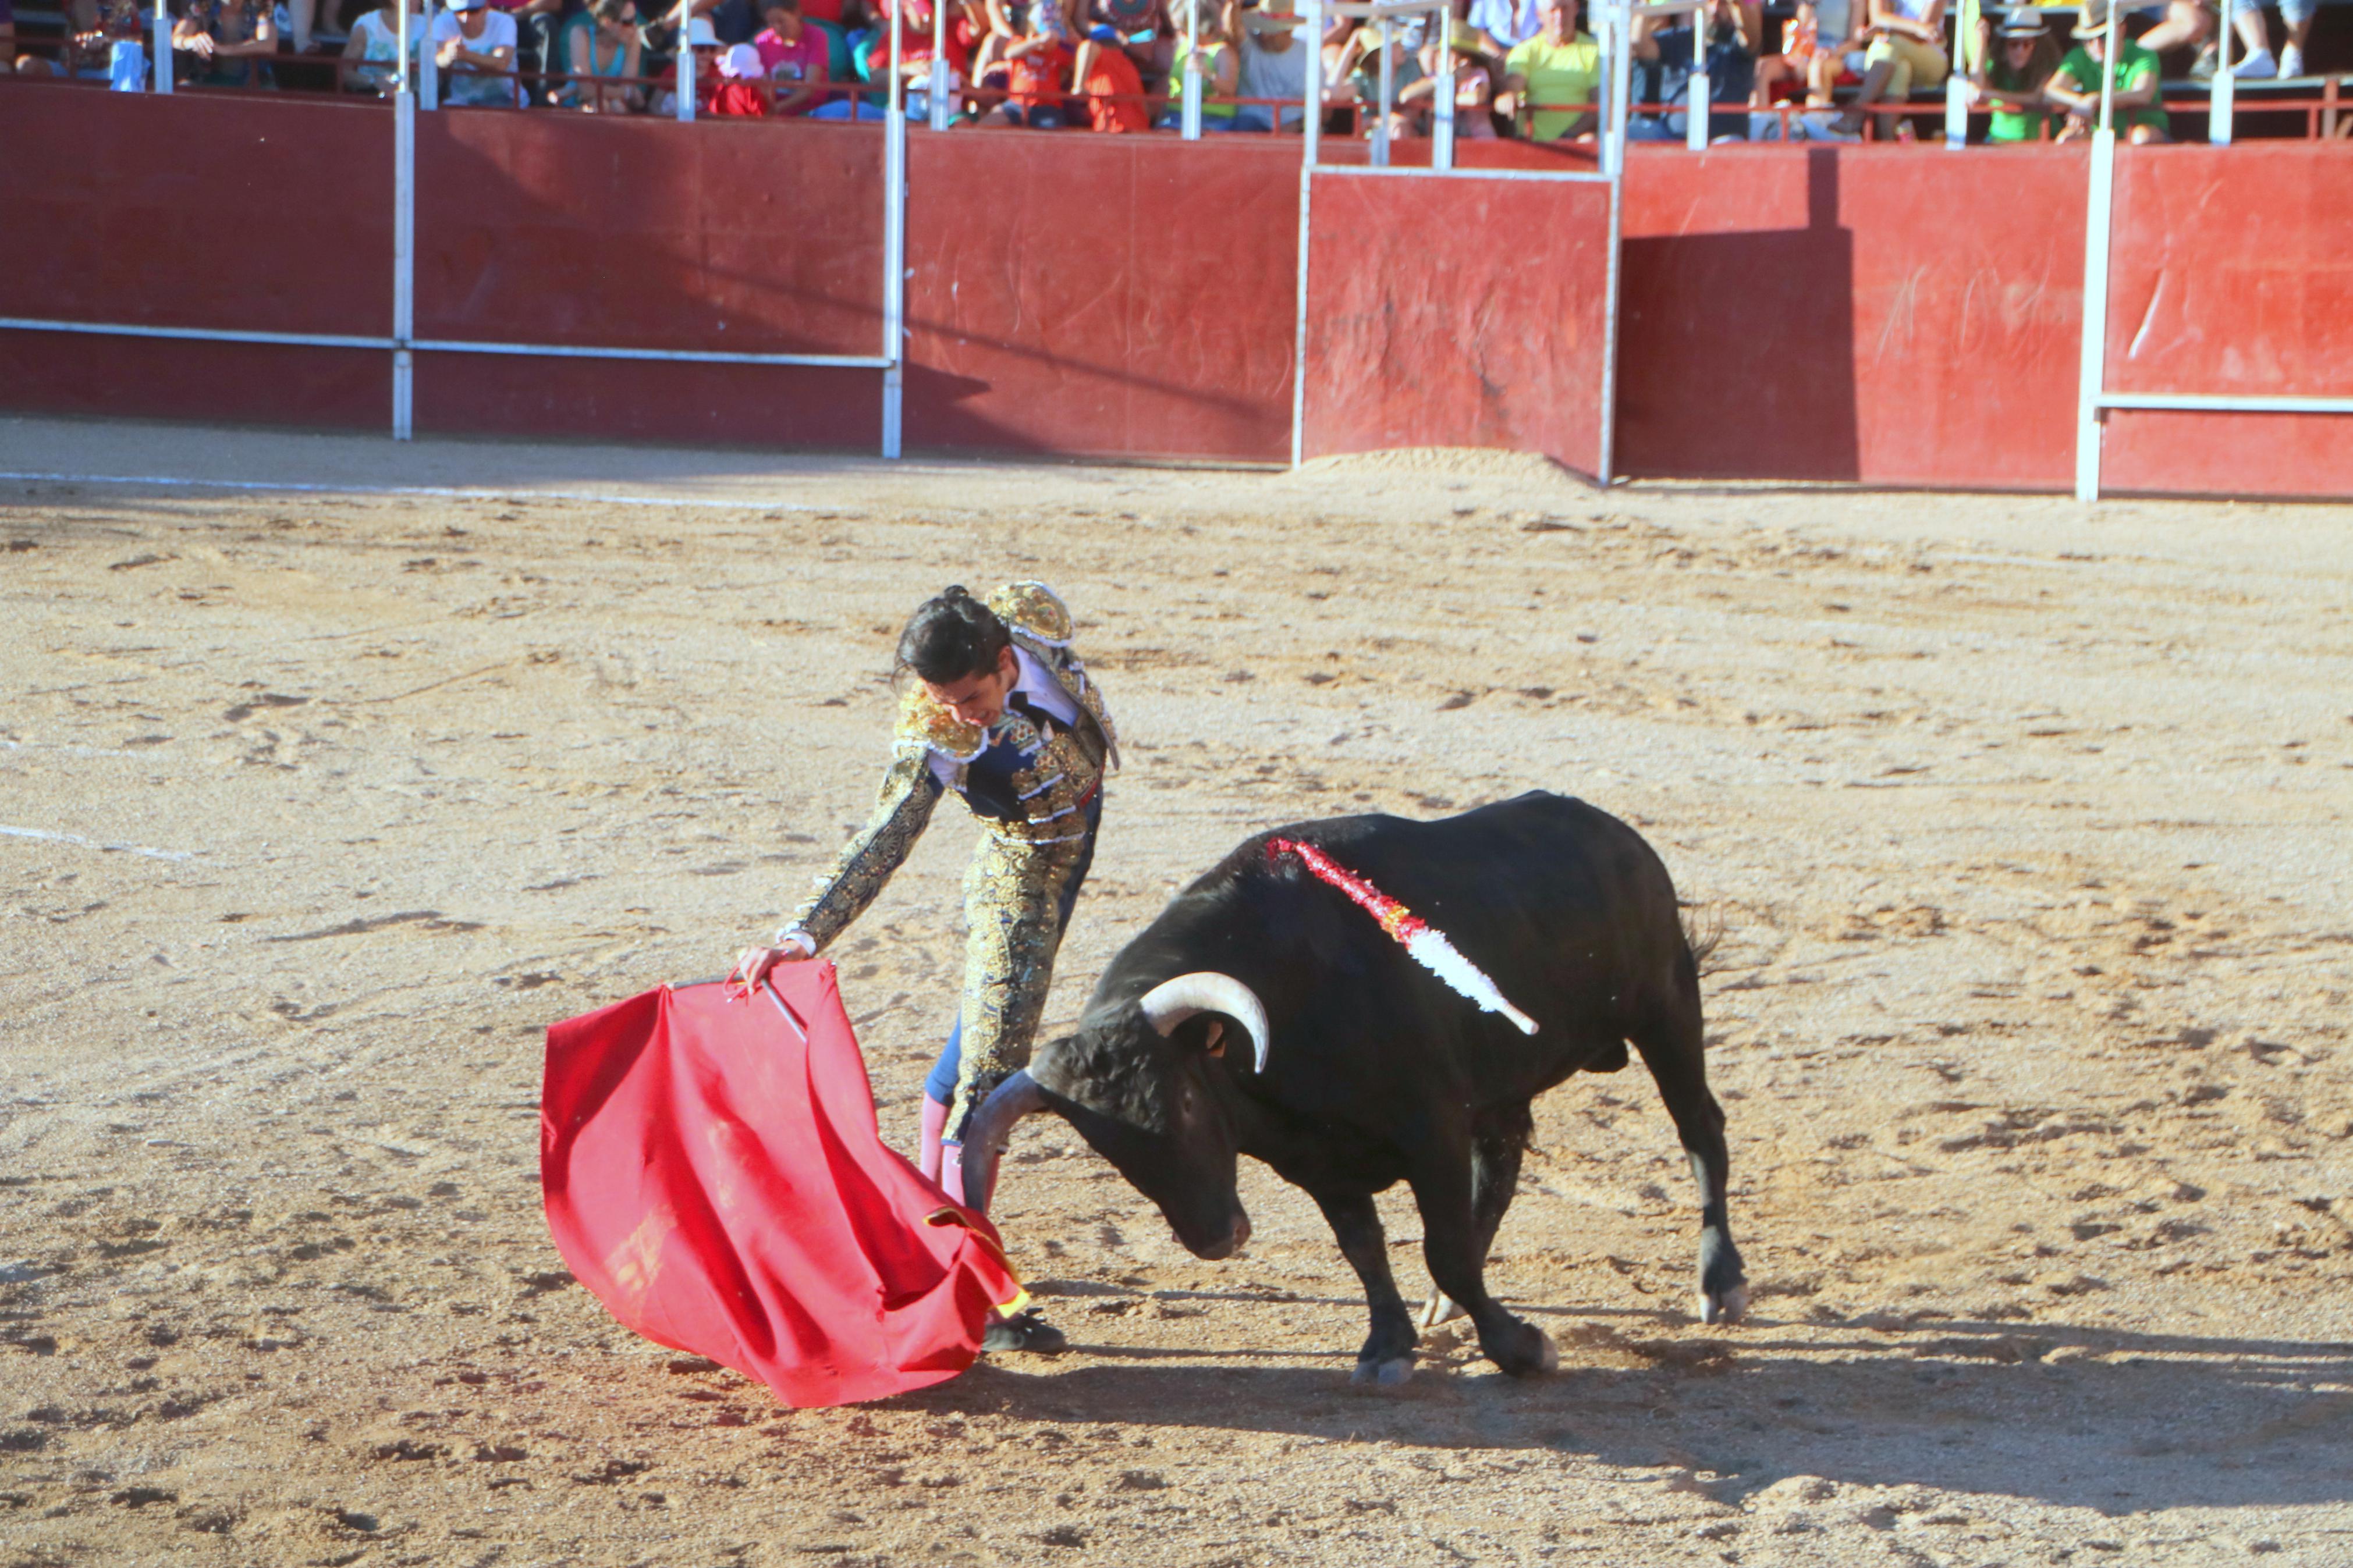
(1028, 777)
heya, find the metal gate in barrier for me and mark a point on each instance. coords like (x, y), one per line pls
(1391, 351)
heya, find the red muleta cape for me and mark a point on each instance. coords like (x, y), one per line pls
(713, 1173)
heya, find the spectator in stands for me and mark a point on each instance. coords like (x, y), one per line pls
(1360, 65)
(1461, 68)
(374, 48)
(1144, 32)
(1220, 70)
(740, 91)
(1037, 73)
(1906, 51)
(2075, 86)
(2187, 24)
(2247, 17)
(1665, 56)
(7, 36)
(537, 23)
(1505, 24)
(223, 43)
(732, 21)
(913, 20)
(703, 40)
(1820, 48)
(1105, 73)
(600, 43)
(1273, 65)
(475, 48)
(795, 56)
(1549, 76)
(2011, 73)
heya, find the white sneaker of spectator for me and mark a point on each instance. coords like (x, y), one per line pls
(2257, 65)
(2291, 61)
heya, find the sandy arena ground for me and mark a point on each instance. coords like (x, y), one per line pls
(2025, 825)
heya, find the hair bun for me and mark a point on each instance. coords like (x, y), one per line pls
(955, 591)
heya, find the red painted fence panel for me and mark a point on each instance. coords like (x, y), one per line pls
(241, 214)
(2231, 272)
(1086, 295)
(1889, 316)
(1426, 328)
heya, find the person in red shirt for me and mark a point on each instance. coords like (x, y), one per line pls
(1038, 73)
(1106, 74)
(743, 91)
(793, 56)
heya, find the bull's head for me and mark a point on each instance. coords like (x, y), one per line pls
(1136, 1080)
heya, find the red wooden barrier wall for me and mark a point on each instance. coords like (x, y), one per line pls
(2232, 275)
(1416, 337)
(1892, 316)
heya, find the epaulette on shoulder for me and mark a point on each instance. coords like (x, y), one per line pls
(926, 723)
(1035, 611)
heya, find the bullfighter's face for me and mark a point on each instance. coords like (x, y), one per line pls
(979, 699)
(1152, 1106)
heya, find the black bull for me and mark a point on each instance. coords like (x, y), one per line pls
(1357, 1068)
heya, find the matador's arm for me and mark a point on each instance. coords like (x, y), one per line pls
(909, 790)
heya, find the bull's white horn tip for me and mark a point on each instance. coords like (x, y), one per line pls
(1527, 1024)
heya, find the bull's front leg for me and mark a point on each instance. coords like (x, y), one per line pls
(1388, 1355)
(1457, 1253)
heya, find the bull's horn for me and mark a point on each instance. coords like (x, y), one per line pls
(1172, 1001)
(987, 1131)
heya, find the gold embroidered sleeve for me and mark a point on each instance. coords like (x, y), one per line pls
(909, 790)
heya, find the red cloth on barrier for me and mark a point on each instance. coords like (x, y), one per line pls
(713, 1173)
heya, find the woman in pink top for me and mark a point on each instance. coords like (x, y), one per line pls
(794, 54)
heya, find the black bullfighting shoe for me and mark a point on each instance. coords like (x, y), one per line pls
(1024, 1331)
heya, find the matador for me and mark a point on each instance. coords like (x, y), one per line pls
(1002, 713)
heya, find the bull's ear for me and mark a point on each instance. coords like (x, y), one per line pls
(1216, 1043)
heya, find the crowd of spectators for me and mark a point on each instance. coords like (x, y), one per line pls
(1524, 68)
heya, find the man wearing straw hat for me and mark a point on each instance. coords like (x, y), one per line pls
(2075, 86)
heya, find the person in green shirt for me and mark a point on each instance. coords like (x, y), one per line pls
(1559, 65)
(2075, 85)
(2010, 75)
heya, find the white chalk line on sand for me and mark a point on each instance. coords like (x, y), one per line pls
(94, 844)
(443, 492)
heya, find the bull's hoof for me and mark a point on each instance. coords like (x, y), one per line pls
(1442, 1309)
(1728, 1307)
(1390, 1374)
(1539, 1356)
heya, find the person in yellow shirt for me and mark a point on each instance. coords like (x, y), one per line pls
(1560, 67)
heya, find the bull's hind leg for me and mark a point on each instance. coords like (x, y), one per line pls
(1388, 1355)
(1500, 1138)
(1670, 1041)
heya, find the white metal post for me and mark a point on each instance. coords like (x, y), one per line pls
(682, 81)
(404, 238)
(1695, 126)
(2096, 210)
(938, 95)
(1310, 141)
(163, 47)
(429, 71)
(1957, 111)
(1617, 75)
(1388, 97)
(894, 247)
(2221, 100)
(1189, 121)
(1441, 111)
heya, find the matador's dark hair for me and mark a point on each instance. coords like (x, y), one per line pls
(950, 638)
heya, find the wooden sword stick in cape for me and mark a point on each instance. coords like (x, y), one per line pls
(1426, 942)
